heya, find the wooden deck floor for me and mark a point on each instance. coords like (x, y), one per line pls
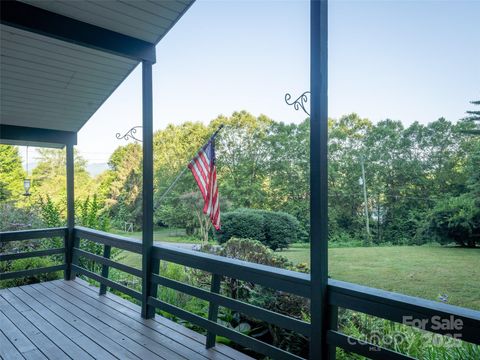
(68, 319)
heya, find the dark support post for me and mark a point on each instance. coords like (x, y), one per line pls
(318, 177)
(213, 310)
(147, 190)
(107, 249)
(70, 163)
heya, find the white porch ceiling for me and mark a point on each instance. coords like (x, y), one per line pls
(52, 84)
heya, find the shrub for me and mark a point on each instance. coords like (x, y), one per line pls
(273, 229)
(456, 219)
(26, 264)
(267, 298)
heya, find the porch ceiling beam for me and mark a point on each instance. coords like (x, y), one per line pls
(30, 135)
(44, 22)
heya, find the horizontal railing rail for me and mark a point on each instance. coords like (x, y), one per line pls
(383, 304)
(268, 276)
(105, 238)
(32, 234)
(276, 278)
(403, 309)
(23, 235)
(108, 241)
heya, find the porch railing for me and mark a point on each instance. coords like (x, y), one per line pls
(374, 302)
(24, 235)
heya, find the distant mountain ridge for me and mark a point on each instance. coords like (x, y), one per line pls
(96, 169)
(93, 169)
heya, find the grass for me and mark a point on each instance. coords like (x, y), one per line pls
(163, 234)
(423, 271)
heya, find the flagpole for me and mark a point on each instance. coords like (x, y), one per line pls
(185, 168)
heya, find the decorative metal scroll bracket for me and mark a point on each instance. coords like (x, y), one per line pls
(130, 134)
(300, 102)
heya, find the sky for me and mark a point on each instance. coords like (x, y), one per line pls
(404, 60)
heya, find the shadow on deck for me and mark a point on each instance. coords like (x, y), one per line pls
(68, 319)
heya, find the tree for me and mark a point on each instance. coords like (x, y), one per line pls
(11, 174)
(289, 169)
(456, 219)
(120, 186)
(242, 158)
(473, 116)
(49, 177)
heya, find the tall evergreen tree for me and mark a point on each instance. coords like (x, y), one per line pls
(474, 116)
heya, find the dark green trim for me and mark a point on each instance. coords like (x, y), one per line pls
(37, 135)
(69, 238)
(394, 307)
(30, 272)
(235, 336)
(279, 279)
(107, 262)
(107, 249)
(32, 234)
(247, 309)
(80, 270)
(24, 255)
(103, 237)
(213, 309)
(147, 186)
(44, 22)
(318, 177)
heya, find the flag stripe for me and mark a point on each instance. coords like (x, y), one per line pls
(205, 173)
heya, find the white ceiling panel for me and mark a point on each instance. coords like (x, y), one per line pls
(141, 19)
(47, 83)
(52, 84)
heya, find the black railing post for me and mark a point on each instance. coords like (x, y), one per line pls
(153, 287)
(213, 310)
(147, 189)
(318, 178)
(107, 249)
(70, 164)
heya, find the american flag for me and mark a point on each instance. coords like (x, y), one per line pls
(205, 172)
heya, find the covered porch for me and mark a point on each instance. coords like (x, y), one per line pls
(69, 319)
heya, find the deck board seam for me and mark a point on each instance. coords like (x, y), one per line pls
(222, 350)
(65, 338)
(116, 349)
(14, 331)
(45, 336)
(163, 346)
(75, 339)
(192, 348)
(13, 345)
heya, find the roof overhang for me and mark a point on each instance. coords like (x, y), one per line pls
(34, 19)
(20, 135)
(60, 60)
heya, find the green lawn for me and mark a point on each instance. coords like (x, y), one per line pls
(424, 271)
(164, 234)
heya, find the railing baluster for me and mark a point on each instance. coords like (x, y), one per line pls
(67, 273)
(74, 256)
(332, 325)
(213, 310)
(153, 287)
(107, 249)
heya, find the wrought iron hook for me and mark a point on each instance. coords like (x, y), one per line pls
(129, 134)
(299, 102)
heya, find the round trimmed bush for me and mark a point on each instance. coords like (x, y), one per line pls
(273, 229)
